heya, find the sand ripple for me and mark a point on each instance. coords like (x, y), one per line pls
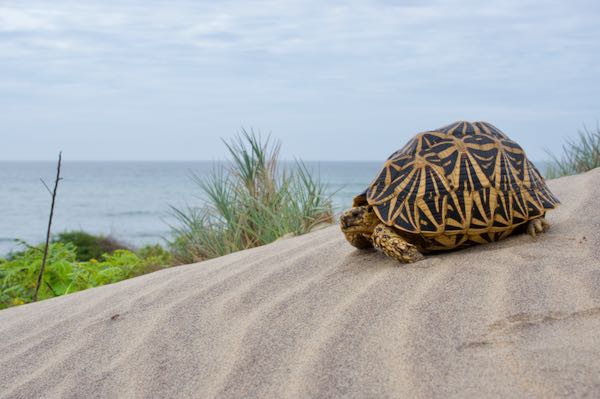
(311, 317)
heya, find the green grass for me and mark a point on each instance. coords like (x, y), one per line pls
(250, 202)
(579, 155)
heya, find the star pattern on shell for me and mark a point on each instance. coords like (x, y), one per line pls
(463, 182)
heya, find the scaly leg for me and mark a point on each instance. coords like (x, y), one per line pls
(537, 226)
(394, 246)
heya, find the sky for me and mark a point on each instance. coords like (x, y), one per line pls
(333, 80)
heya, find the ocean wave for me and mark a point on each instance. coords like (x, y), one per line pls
(131, 213)
(161, 234)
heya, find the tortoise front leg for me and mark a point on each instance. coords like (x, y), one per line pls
(394, 246)
(359, 240)
(537, 226)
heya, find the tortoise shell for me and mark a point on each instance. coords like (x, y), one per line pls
(460, 184)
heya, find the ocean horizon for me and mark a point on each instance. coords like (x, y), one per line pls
(131, 200)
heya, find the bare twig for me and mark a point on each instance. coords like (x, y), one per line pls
(41, 275)
(26, 245)
(50, 287)
(45, 185)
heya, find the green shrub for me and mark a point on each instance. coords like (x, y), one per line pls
(578, 156)
(18, 276)
(154, 257)
(250, 202)
(65, 274)
(90, 246)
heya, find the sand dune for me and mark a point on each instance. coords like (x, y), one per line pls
(312, 317)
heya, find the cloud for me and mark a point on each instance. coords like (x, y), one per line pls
(180, 61)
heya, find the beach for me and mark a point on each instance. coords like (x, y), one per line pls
(311, 316)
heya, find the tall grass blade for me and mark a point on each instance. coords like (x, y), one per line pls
(578, 155)
(251, 202)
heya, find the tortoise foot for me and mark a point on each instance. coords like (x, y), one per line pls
(395, 246)
(537, 226)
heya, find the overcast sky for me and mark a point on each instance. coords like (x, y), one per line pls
(334, 80)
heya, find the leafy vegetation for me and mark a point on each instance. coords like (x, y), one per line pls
(579, 155)
(65, 274)
(90, 246)
(250, 202)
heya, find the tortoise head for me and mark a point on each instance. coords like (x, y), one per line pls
(359, 220)
(358, 224)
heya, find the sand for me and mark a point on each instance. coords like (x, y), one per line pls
(312, 317)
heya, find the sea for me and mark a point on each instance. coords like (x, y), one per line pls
(130, 201)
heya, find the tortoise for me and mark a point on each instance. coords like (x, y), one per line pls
(460, 185)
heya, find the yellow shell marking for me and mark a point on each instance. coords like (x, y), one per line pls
(464, 183)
